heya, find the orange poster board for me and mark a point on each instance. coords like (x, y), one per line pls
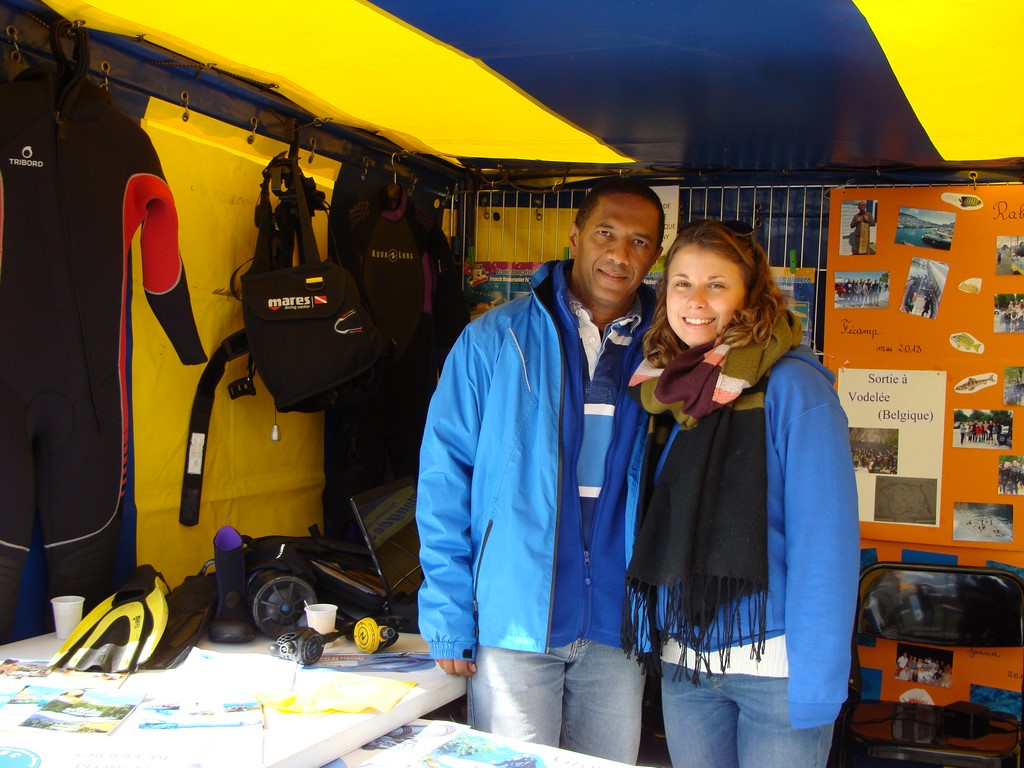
(939, 294)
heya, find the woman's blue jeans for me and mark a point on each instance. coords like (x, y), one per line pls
(583, 696)
(737, 721)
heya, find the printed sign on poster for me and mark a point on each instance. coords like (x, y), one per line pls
(896, 437)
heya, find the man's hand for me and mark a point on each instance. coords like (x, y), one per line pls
(459, 667)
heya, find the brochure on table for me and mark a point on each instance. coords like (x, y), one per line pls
(218, 708)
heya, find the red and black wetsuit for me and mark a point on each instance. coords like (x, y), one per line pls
(77, 179)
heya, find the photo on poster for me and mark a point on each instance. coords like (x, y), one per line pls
(925, 228)
(1008, 313)
(926, 280)
(924, 665)
(875, 450)
(1013, 385)
(1010, 255)
(975, 521)
(996, 699)
(973, 428)
(1011, 475)
(861, 290)
(857, 227)
(799, 287)
(916, 696)
(906, 500)
(488, 284)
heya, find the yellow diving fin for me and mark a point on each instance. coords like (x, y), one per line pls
(116, 634)
(156, 603)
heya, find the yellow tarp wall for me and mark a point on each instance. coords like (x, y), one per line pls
(257, 485)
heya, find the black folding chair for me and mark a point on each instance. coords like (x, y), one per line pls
(944, 607)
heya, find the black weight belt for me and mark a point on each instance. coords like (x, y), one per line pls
(234, 346)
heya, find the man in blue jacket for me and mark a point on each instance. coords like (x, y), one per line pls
(524, 512)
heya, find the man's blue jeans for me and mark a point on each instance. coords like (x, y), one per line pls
(584, 696)
(737, 721)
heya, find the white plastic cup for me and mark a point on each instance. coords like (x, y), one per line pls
(321, 617)
(67, 613)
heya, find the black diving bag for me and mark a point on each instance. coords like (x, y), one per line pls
(307, 332)
(313, 342)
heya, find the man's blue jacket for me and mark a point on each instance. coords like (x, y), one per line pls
(498, 471)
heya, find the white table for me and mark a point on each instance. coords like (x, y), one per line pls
(287, 740)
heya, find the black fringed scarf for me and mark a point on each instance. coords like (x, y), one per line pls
(703, 535)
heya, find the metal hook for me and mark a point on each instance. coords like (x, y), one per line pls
(366, 168)
(394, 168)
(254, 122)
(184, 101)
(973, 176)
(537, 206)
(12, 32)
(105, 69)
(312, 149)
(413, 178)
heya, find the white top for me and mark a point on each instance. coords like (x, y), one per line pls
(774, 662)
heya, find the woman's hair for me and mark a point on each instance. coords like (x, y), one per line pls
(763, 305)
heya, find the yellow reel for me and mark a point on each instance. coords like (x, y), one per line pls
(370, 636)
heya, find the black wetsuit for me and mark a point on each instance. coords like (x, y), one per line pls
(77, 179)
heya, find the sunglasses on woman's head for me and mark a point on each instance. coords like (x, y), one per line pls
(740, 228)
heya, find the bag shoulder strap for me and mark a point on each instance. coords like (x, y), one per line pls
(292, 222)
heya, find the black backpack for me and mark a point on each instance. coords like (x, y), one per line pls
(312, 341)
(308, 334)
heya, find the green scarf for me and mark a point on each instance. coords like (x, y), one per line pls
(702, 539)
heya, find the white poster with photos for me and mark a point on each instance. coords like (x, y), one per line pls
(896, 438)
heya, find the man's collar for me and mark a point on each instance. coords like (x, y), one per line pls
(631, 318)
